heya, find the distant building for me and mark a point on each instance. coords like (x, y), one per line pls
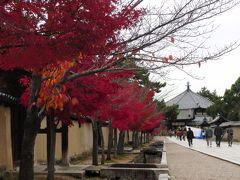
(192, 109)
(235, 125)
(218, 120)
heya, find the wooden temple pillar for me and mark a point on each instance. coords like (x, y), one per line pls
(51, 141)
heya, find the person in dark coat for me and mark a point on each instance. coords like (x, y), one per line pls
(229, 136)
(208, 136)
(218, 132)
(190, 136)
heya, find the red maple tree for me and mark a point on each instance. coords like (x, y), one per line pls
(35, 34)
(38, 33)
(133, 106)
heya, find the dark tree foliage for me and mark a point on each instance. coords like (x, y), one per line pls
(228, 106)
(231, 102)
(217, 107)
(212, 96)
(170, 113)
(142, 77)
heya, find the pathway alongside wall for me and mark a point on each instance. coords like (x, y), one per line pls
(187, 164)
(231, 154)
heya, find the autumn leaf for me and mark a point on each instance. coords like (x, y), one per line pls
(74, 101)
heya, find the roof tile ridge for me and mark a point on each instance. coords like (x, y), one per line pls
(177, 96)
(184, 92)
(193, 97)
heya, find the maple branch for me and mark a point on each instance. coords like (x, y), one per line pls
(46, 78)
(138, 2)
(184, 21)
(13, 46)
(71, 76)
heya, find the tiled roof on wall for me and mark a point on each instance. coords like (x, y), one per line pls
(7, 99)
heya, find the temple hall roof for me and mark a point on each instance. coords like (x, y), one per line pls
(190, 100)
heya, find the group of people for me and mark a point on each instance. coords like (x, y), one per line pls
(218, 132)
(182, 133)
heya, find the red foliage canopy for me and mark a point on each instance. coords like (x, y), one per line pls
(93, 94)
(34, 33)
(133, 108)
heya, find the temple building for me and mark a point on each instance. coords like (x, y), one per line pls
(192, 109)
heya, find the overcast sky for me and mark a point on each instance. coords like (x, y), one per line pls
(215, 75)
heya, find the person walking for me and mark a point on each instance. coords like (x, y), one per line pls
(184, 133)
(208, 135)
(218, 132)
(229, 136)
(190, 136)
(180, 133)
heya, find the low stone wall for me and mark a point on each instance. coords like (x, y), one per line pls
(131, 171)
(141, 171)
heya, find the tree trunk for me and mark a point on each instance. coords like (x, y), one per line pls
(144, 138)
(102, 144)
(147, 137)
(137, 139)
(95, 143)
(51, 142)
(31, 127)
(134, 140)
(65, 161)
(120, 146)
(27, 156)
(141, 137)
(115, 142)
(110, 140)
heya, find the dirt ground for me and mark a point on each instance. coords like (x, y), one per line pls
(125, 158)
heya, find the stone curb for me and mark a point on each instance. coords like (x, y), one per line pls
(163, 177)
(164, 164)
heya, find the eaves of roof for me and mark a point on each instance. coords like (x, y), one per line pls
(230, 123)
(7, 99)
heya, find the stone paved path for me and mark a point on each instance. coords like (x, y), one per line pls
(187, 164)
(231, 154)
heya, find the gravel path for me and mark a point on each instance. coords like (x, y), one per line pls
(186, 164)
